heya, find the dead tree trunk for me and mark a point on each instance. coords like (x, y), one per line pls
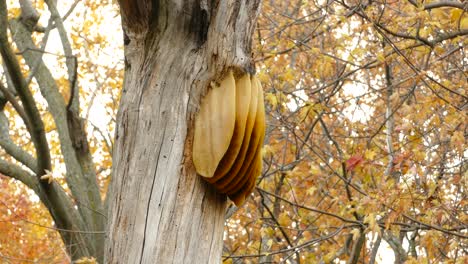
(160, 211)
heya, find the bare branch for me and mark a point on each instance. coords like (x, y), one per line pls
(19, 109)
(35, 66)
(12, 149)
(357, 247)
(309, 208)
(29, 14)
(389, 117)
(375, 249)
(447, 3)
(71, 60)
(295, 248)
(16, 172)
(395, 244)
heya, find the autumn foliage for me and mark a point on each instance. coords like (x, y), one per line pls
(25, 233)
(365, 151)
(365, 156)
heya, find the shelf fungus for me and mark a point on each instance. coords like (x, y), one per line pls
(229, 133)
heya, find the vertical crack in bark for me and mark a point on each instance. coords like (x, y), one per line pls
(199, 24)
(153, 19)
(236, 8)
(150, 195)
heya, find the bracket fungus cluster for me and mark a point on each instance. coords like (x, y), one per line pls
(229, 133)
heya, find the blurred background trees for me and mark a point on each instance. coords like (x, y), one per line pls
(52, 70)
(365, 154)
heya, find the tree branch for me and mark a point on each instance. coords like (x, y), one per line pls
(375, 249)
(35, 66)
(74, 121)
(389, 119)
(19, 109)
(357, 247)
(273, 216)
(412, 244)
(395, 244)
(29, 15)
(309, 208)
(70, 59)
(16, 172)
(12, 149)
(343, 164)
(448, 3)
(289, 249)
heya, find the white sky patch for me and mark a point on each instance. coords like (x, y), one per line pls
(385, 254)
(293, 104)
(358, 110)
(98, 115)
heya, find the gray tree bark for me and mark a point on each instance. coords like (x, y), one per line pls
(160, 211)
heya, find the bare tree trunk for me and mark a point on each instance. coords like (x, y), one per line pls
(160, 211)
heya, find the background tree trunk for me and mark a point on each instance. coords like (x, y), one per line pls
(160, 211)
(79, 216)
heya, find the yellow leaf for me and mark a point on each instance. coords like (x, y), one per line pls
(311, 190)
(270, 242)
(272, 99)
(267, 232)
(370, 154)
(267, 151)
(464, 23)
(381, 57)
(412, 260)
(356, 233)
(48, 176)
(438, 13)
(455, 14)
(327, 258)
(372, 222)
(458, 140)
(423, 49)
(283, 219)
(86, 260)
